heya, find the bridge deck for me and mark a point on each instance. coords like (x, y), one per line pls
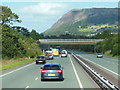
(69, 41)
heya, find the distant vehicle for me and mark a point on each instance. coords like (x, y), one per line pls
(69, 52)
(55, 52)
(40, 59)
(51, 71)
(48, 54)
(64, 53)
(99, 55)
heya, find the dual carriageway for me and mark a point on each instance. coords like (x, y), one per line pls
(75, 75)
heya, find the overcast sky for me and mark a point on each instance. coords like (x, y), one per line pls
(42, 14)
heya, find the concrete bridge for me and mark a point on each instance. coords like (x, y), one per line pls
(69, 41)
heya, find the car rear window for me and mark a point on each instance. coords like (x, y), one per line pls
(48, 52)
(51, 67)
(63, 53)
(40, 57)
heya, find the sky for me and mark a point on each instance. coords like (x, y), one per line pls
(41, 15)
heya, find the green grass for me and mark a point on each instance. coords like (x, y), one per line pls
(86, 30)
(14, 64)
(112, 56)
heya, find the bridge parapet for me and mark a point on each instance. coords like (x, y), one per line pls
(70, 41)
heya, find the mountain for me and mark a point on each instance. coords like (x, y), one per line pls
(85, 21)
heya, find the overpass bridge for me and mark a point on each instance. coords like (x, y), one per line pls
(69, 41)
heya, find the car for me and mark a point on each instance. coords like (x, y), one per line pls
(99, 55)
(49, 55)
(63, 54)
(40, 59)
(52, 71)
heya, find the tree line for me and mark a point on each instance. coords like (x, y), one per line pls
(17, 41)
(110, 44)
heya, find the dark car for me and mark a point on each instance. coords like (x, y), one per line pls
(52, 71)
(40, 59)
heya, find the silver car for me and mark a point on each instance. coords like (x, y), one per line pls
(52, 71)
(99, 55)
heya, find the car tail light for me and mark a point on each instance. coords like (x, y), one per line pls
(43, 71)
(59, 71)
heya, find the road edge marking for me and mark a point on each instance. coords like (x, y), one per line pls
(80, 84)
(15, 70)
(99, 65)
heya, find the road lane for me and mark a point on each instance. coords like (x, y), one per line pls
(20, 78)
(76, 73)
(29, 77)
(70, 80)
(110, 63)
(86, 80)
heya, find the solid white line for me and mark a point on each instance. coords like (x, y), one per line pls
(26, 87)
(16, 70)
(80, 84)
(99, 65)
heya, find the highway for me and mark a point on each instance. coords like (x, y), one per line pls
(28, 76)
(106, 66)
(111, 65)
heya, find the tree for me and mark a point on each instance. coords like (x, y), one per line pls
(34, 35)
(7, 16)
(10, 45)
(16, 42)
(22, 30)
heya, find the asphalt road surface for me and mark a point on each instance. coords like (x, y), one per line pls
(28, 76)
(110, 65)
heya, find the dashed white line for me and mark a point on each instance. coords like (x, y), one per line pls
(99, 65)
(26, 87)
(80, 84)
(16, 70)
(36, 78)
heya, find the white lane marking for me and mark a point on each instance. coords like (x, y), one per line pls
(26, 87)
(80, 84)
(36, 78)
(16, 70)
(99, 65)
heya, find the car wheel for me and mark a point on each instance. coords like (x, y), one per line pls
(61, 79)
(36, 62)
(42, 79)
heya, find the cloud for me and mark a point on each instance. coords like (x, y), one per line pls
(44, 8)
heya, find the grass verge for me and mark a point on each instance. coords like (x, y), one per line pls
(110, 55)
(15, 63)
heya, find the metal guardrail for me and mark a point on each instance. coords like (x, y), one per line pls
(100, 80)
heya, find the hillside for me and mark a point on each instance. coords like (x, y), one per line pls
(85, 21)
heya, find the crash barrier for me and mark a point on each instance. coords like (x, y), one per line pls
(103, 83)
